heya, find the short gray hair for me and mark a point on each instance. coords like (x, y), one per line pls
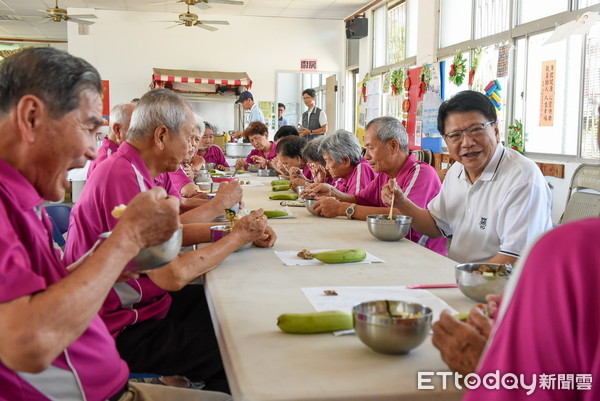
(158, 107)
(54, 76)
(342, 144)
(312, 152)
(387, 128)
(200, 124)
(210, 126)
(120, 115)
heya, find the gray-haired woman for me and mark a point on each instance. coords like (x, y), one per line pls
(344, 162)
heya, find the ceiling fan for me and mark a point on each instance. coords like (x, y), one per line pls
(204, 4)
(56, 14)
(191, 19)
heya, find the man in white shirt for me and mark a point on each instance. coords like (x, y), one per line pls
(493, 201)
(314, 120)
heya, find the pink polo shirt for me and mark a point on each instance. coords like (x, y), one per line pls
(165, 181)
(179, 179)
(255, 152)
(214, 154)
(107, 148)
(360, 177)
(420, 183)
(28, 264)
(123, 176)
(548, 324)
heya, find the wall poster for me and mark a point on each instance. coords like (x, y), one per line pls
(547, 95)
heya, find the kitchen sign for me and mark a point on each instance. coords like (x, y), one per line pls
(308, 65)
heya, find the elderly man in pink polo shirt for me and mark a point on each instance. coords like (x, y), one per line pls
(120, 117)
(386, 142)
(158, 332)
(54, 345)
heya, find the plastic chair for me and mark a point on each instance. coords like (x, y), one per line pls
(59, 216)
(583, 199)
(424, 155)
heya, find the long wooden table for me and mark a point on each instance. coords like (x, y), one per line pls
(252, 287)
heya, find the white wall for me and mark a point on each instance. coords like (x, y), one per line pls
(125, 46)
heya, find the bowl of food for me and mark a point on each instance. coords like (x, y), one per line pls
(476, 280)
(222, 178)
(300, 188)
(309, 205)
(218, 232)
(209, 166)
(266, 172)
(384, 229)
(155, 256)
(391, 327)
(253, 168)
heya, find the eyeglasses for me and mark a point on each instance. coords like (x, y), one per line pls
(473, 131)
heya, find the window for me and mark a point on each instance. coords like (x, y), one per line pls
(587, 3)
(390, 33)
(551, 126)
(591, 96)
(379, 37)
(491, 17)
(532, 10)
(396, 32)
(455, 22)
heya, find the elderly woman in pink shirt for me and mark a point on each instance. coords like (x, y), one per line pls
(350, 172)
(264, 150)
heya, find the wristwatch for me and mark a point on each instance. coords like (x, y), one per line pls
(350, 211)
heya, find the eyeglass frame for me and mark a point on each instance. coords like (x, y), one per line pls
(467, 131)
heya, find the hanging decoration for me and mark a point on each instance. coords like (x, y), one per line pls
(474, 65)
(425, 79)
(405, 102)
(516, 138)
(458, 69)
(363, 88)
(387, 81)
(492, 91)
(397, 81)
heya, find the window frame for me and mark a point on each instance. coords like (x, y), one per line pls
(519, 31)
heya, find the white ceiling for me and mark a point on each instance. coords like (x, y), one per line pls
(40, 28)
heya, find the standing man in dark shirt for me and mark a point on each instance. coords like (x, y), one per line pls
(314, 120)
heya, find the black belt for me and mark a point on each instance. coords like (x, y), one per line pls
(119, 393)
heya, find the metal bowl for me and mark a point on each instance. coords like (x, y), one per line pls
(381, 327)
(222, 178)
(300, 188)
(253, 168)
(476, 286)
(381, 227)
(309, 206)
(209, 166)
(218, 232)
(266, 172)
(233, 149)
(155, 256)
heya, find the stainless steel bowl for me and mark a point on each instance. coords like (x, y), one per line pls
(381, 227)
(218, 232)
(203, 176)
(309, 206)
(233, 149)
(155, 256)
(476, 286)
(266, 172)
(380, 325)
(209, 166)
(253, 168)
(300, 188)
